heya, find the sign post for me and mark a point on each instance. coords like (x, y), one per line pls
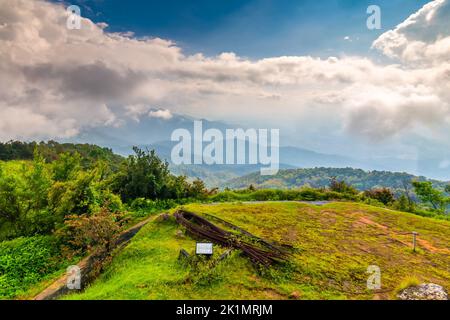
(204, 248)
(414, 240)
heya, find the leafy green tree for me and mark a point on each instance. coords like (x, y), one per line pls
(429, 195)
(384, 195)
(11, 205)
(77, 196)
(66, 167)
(198, 189)
(178, 187)
(143, 175)
(341, 187)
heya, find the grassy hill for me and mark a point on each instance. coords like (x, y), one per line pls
(51, 150)
(332, 246)
(320, 177)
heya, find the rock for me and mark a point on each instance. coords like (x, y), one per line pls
(295, 295)
(179, 234)
(424, 291)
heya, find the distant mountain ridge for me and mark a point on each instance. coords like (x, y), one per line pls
(155, 133)
(320, 177)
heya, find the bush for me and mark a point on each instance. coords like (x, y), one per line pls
(383, 195)
(342, 187)
(227, 196)
(142, 207)
(25, 261)
(91, 233)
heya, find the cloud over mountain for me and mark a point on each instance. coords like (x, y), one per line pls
(55, 81)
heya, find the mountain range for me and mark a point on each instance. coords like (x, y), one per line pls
(154, 133)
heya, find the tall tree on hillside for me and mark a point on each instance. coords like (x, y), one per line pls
(142, 175)
(429, 195)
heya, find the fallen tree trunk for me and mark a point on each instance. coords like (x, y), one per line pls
(202, 228)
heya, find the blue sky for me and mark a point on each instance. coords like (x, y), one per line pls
(253, 28)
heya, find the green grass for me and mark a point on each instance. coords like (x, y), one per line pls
(333, 246)
(27, 265)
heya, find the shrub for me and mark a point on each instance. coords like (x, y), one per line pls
(383, 195)
(91, 233)
(342, 187)
(25, 261)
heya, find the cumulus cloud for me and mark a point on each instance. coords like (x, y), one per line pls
(54, 82)
(423, 37)
(160, 114)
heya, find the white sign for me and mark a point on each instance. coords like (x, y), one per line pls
(73, 278)
(204, 248)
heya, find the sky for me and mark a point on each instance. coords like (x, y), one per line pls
(255, 28)
(309, 68)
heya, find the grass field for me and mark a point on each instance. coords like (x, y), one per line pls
(332, 245)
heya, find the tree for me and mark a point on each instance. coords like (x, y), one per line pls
(384, 195)
(78, 196)
(11, 205)
(407, 188)
(66, 167)
(197, 189)
(341, 186)
(447, 188)
(142, 175)
(92, 233)
(429, 195)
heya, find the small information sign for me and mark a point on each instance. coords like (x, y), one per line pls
(204, 248)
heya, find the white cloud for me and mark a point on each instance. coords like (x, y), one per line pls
(55, 81)
(160, 114)
(424, 37)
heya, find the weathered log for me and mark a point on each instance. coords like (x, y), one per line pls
(204, 229)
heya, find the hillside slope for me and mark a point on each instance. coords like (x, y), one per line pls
(332, 245)
(320, 177)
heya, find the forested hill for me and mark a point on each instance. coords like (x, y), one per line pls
(17, 150)
(320, 177)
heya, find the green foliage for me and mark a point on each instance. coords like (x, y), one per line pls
(383, 195)
(36, 196)
(302, 194)
(341, 186)
(404, 204)
(197, 189)
(52, 150)
(14, 150)
(431, 196)
(144, 175)
(26, 261)
(320, 178)
(66, 166)
(143, 207)
(91, 233)
(23, 199)
(77, 196)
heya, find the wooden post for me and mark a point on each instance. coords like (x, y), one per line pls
(414, 240)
